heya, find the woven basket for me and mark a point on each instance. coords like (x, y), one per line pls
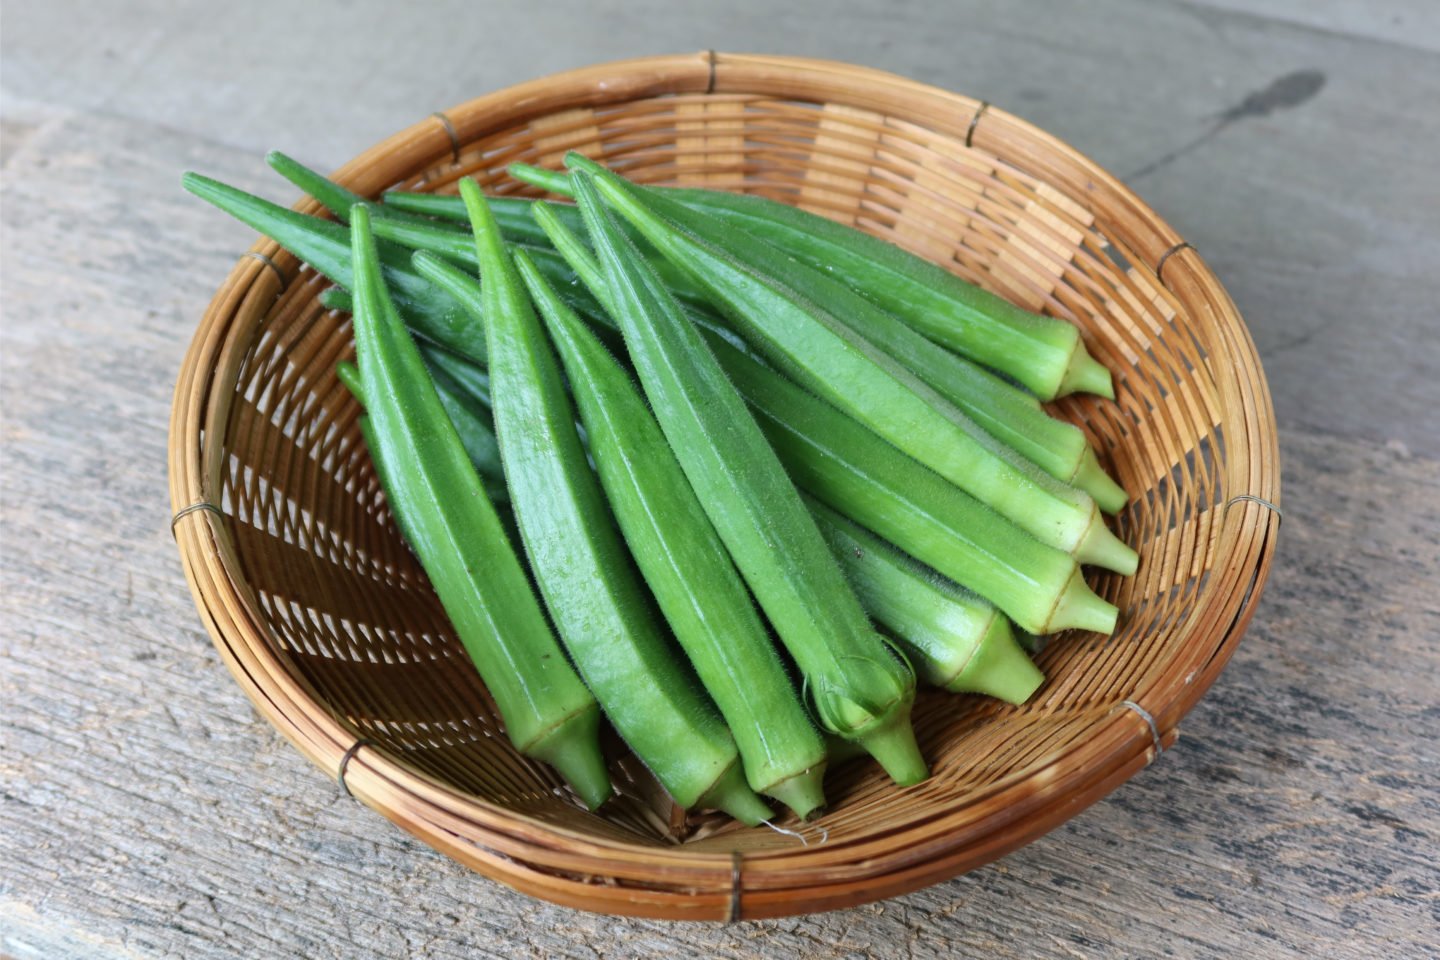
(330, 628)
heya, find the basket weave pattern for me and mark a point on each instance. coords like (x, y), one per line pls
(330, 627)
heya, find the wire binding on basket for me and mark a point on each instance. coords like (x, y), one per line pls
(974, 122)
(345, 762)
(1149, 722)
(275, 267)
(450, 132)
(185, 511)
(733, 913)
(1279, 514)
(710, 84)
(1160, 264)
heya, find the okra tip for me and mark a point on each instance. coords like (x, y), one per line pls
(551, 181)
(336, 298)
(804, 793)
(573, 748)
(348, 374)
(731, 794)
(999, 668)
(1085, 374)
(200, 185)
(1100, 547)
(1091, 477)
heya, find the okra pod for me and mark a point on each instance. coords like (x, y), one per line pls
(685, 564)
(1045, 354)
(957, 640)
(820, 352)
(848, 466)
(325, 246)
(583, 571)
(840, 462)
(857, 688)
(1004, 412)
(463, 390)
(442, 509)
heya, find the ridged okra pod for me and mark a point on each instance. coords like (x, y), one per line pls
(956, 639)
(325, 246)
(840, 462)
(857, 688)
(820, 352)
(598, 604)
(442, 509)
(685, 564)
(1003, 411)
(1044, 353)
(846, 465)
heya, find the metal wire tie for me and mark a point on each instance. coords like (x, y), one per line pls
(974, 122)
(450, 132)
(275, 267)
(1149, 722)
(202, 505)
(345, 762)
(1160, 264)
(733, 914)
(1280, 514)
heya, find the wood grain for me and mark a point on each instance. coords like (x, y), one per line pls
(146, 811)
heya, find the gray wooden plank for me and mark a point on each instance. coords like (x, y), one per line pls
(147, 812)
(1409, 23)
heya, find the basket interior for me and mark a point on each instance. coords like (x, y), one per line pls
(351, 613)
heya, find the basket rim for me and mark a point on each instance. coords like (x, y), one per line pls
(544, 859)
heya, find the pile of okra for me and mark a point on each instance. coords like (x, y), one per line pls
(766, 471)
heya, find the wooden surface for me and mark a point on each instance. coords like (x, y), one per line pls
(146, 812)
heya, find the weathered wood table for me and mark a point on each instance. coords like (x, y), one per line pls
(145, 811)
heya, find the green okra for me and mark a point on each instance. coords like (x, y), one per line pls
(329, 194)
(584, 574)
(1045, 354)
(445, 241)
(857, 688)
(442, 509)
(849, 467)
(325, 246)
(824, 355)
(512, 213)
(854, 471)
(685, 564)
(1003, 411)
(463, 389)
(1007, 413)
(956, 639)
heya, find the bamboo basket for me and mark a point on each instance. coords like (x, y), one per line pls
(330, 628)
